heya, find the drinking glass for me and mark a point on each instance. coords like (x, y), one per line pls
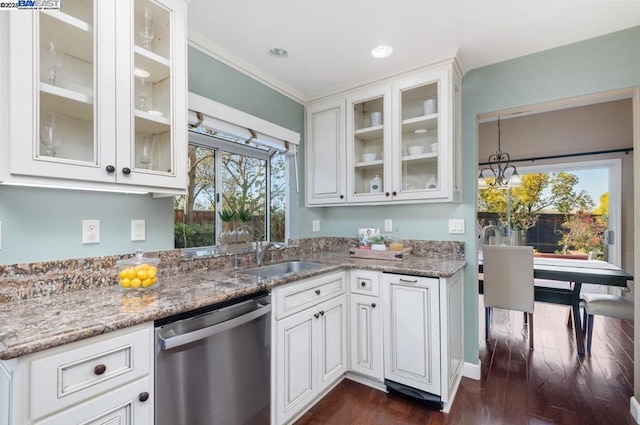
(144, 94)
(146, 144)
(51, 132)
(146, 31)
(54, 54)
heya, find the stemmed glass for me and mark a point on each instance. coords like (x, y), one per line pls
(146, 32)
(54, 55)
(50, 133)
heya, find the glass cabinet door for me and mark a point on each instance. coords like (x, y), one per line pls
(156, 112)
(419, 138)
(368, 159)
(152, 94)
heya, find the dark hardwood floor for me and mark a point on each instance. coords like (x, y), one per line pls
(549, 385)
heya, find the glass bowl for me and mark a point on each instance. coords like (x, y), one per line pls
(138, 273)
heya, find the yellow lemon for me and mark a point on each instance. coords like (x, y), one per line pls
(146, 283)
(152, 271)
(153, 279)
(131, 273)
(123, 274)
(142, 274)
(142, 266)
(135, 282)
(125, 282)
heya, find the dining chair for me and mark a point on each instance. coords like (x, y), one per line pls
(604, 305)
(508, 282)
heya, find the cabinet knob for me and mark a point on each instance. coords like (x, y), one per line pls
(100, 369)
(387, 194)
(110, 168)
(144, 396)
(321, 312)
(363, 284)
(126, 170)
(316, 315)
(373, 305)
(341, 196)
(317, 292)
(394, 193)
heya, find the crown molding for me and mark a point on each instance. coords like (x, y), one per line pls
(217, 52)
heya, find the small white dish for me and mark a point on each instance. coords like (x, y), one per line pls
(415, 150)
(368, 157)
(434, 147)
(155, 113)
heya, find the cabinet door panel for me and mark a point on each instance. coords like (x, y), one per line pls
(412, 333)
(296, 377)
(366, 336)
(332, 341)
(326, 183)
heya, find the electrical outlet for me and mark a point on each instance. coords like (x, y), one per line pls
(138, 230)
(388, 225)
(90, 231)
(316, 225)
(456, 226)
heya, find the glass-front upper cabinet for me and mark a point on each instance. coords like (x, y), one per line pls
(368, 145)
(424, 148)
(93, 94)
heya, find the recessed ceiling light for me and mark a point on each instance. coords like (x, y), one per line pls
(278, 52)
(420, 130)
(381, 51)
(142, 73)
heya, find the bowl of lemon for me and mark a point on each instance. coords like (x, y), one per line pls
(138, 273)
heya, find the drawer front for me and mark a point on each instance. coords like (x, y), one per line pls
(306, 293)
(365, 282)
(81, 370)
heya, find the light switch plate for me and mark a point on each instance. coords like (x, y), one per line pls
(316, 225)
(138, 230)
(388, 225)
(456, 226)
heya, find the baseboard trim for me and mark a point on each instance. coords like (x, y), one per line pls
(635, 409)
(471, 371)
(369, 382)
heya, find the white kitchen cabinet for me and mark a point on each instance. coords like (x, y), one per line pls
(325, 153)
(365, 324)
(99, 380)
(409, 152)
(310, 345)
(90, 105)
(5, 395)
(423, 338)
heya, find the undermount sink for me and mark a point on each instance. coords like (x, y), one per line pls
(282, 269)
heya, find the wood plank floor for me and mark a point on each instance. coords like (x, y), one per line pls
(549, 385)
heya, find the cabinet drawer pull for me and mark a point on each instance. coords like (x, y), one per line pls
(321, 312)
(316, 315)
(373, 305)
(317, 292)
(363, 284)
(144, 396)
(126, 170)
(100, 369)
(110, 168)
(409, 280)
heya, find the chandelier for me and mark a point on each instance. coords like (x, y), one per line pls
(499, 172)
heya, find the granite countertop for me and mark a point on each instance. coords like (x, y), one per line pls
(40, 323)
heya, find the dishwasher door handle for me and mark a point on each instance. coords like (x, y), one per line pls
(179, 340)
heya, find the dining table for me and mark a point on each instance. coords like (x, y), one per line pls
(576, 273)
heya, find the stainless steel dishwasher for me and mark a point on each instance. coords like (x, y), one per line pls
(212, 366)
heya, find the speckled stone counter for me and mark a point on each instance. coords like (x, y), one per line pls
(41, 322)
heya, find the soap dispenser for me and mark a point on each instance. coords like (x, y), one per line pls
(375, 184)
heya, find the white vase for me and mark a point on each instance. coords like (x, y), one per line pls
(378, 247)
